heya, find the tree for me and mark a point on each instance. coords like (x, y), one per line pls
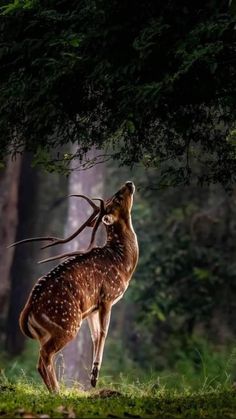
(150, 82)
(77, 356)
(21, 268)
(9, 179)
(34, 208)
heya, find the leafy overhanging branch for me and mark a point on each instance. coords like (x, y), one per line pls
(153, 81)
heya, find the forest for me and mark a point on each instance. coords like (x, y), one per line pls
(94, 94)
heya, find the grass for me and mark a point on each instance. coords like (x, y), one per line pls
(204, 390)
(27, 399)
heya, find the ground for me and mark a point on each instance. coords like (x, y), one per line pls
(26, 400)
(206, 391)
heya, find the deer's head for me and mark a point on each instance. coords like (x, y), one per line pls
(118, 208)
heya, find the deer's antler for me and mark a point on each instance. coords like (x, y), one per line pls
(34, 239)
(56, 240)
(96, 209)
(95, 227)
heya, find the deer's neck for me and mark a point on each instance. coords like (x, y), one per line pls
(122, 243)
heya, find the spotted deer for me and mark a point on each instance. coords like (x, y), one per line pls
(86, 285)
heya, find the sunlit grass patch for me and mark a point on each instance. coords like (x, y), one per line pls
(26, 398)
(205, 389)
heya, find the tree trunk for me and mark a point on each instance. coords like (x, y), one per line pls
(8, 222)
(77, 356)
(41, 211)
(22, 269)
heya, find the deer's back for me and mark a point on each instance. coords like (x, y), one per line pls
(72, 290)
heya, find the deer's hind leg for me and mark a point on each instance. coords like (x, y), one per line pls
(41, 333)
(43, 372)
(52, 339)
(46, 367)
(47, 353)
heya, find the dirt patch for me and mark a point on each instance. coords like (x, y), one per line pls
(106, 393)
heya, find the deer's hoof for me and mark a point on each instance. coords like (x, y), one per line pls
(93, 381)
(94, 376)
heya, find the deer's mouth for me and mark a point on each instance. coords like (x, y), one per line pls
(130, 185)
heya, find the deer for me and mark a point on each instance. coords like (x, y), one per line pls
(85, 285)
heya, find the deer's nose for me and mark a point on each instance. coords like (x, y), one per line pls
(130, 185)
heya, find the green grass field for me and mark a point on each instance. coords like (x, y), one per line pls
(136, 400)
(202, 390)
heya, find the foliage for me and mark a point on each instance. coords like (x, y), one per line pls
(180, 305)
(201, 367)
(152, 81)
(186, 273)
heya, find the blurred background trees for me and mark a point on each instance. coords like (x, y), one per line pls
(181, 303)
(142, 90)
(182, 298)
(9, 183)
(77, 356)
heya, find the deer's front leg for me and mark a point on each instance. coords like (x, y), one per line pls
(94, 326)
(104, 320)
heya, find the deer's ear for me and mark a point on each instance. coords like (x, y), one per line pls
(108, 219)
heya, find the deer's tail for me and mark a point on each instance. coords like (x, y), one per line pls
(24, 322)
